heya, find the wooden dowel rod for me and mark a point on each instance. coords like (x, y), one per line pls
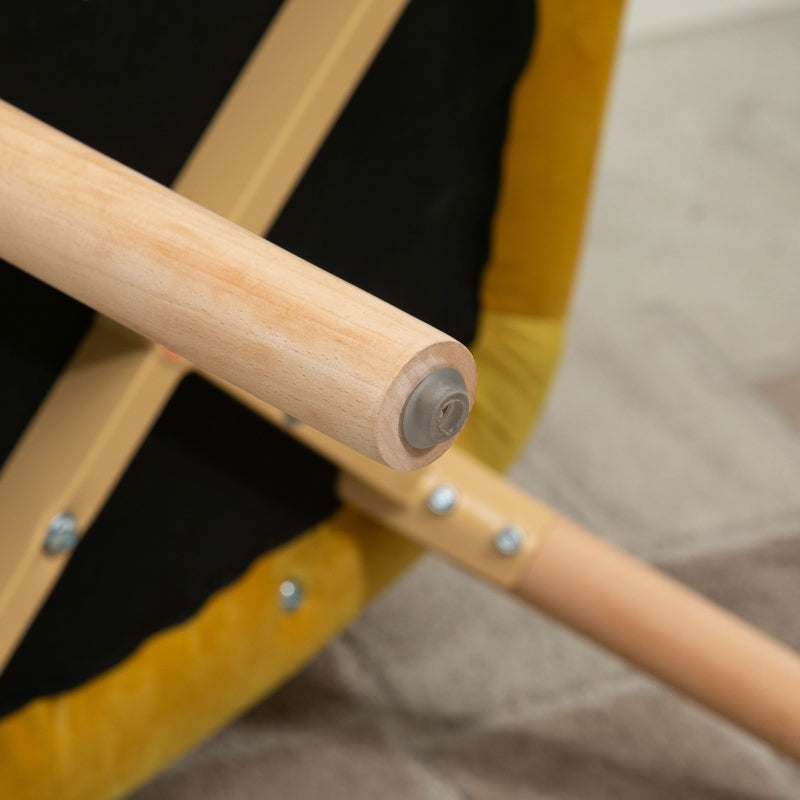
(235, 305)
(668, 630)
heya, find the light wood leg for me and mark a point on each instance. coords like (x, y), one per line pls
(669, 631)
(621, 603)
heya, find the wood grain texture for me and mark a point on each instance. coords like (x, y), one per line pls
(678, 636)
(233, 304)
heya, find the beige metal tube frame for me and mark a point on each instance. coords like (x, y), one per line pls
(226, 299)
(71, 455)
(288, 96)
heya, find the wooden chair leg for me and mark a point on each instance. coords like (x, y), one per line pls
(497, 531)
(669, 631)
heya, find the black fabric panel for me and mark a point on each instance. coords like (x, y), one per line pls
(136, 80)
(398, 201)
(403, 190)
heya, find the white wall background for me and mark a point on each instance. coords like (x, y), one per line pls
(647, 18)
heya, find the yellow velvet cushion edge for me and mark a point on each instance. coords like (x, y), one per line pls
(548, 160)
(516, 357)
(108, 736)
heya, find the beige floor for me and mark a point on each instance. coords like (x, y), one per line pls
(674, 428)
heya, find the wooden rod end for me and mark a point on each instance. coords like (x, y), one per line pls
(427, 405)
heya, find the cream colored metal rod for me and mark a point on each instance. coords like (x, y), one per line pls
(668, 630)
(316, 347)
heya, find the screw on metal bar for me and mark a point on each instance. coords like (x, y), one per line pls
(62, 534)
(436, 410)
(291, 592)
(509, 540)
(442, 500)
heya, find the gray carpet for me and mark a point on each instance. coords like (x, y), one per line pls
(674, 429)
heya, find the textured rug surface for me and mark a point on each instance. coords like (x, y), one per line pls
(673, 429)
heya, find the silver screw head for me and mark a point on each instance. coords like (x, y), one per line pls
(442, 500)
(509, 540)
(62, 535)
(291, 592)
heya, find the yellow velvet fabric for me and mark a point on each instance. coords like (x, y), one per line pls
(516, 355)
(555, 123)
(104, 738)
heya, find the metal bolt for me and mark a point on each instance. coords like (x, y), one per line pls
(442, 500)
(509, 540)
(62, 535)
(291, 592)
